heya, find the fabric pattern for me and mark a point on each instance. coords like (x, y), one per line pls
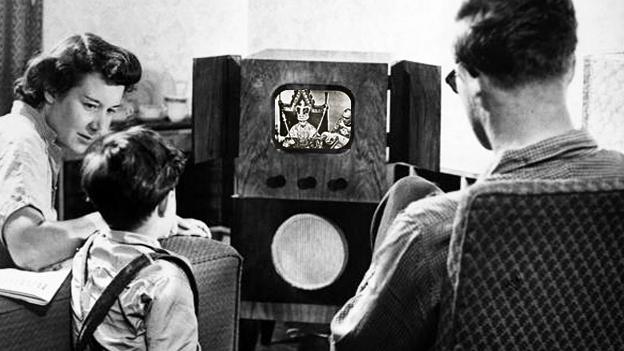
(537, 265)
(396, 306)
(20, 39)
(218, 269)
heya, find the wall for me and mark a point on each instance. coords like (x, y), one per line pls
(164, 34)
(600, 31)
(167, 33)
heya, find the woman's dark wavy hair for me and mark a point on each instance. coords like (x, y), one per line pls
(128, 173)
(518, 41)
(64, 67)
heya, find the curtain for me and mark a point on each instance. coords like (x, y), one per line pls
(20, 39)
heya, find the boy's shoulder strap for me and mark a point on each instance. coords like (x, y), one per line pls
(117, 285)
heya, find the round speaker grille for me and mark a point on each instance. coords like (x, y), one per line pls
(309, 252)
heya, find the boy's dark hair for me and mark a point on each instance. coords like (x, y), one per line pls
(126, 174)
(516, 42)
(66, 65)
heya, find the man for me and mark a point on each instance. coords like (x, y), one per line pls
(515, 60)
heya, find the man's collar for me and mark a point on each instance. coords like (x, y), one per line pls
(570, 143)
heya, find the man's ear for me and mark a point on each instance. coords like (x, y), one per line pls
(472, 84)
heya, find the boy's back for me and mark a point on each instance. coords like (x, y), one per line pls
(155, 311)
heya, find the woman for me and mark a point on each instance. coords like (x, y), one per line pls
(65, 99)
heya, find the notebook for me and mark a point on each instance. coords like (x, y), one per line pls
(33, 287)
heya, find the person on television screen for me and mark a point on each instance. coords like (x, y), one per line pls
(130, 176)
(65, 99)
(303, 134)
(340, 135)
(343, 124)
(512, 73)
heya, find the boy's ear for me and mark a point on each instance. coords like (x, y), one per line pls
(162, 206)
(572, 67)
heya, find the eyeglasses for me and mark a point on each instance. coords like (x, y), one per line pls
(451, 80)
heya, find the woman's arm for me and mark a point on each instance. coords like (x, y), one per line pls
(35, 243)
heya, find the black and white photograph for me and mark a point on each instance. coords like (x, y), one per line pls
(321, 175)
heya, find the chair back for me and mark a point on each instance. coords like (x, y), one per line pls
(217, 268)
(537, 265)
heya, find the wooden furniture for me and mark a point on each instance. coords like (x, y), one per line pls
(235, 104)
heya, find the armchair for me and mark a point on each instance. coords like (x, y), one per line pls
(537, 265)
(217, 269)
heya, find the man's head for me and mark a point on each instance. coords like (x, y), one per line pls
(507, 46)
(517, 42)
(130, 174)
(79, 86)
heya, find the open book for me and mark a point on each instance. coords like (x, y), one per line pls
(34, 287)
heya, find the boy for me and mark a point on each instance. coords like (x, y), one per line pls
(130, 177)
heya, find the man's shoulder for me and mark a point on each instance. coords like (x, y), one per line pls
(436, 208)
(427, 220)
(600, 163)
(613, 157)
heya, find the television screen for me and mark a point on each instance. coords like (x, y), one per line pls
(313, 119)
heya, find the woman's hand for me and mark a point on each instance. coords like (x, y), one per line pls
(192, 227)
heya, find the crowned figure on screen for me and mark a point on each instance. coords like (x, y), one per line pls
(301, 122)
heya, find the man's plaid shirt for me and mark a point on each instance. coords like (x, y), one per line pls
(397, 303)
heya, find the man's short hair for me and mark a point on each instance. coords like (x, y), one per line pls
(65, 66)
(126, 174)
(516, 42)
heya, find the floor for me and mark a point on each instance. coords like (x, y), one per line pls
(285, 336)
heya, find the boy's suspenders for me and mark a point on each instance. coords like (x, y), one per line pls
(85, 340)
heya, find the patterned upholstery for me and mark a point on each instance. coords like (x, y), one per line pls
(217, 269)
(537, 265)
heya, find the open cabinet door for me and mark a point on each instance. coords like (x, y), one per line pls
(415, 115)
(216, 105)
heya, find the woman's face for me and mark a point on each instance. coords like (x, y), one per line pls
(84, 112)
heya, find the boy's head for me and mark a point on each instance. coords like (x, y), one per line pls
(128, 174)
